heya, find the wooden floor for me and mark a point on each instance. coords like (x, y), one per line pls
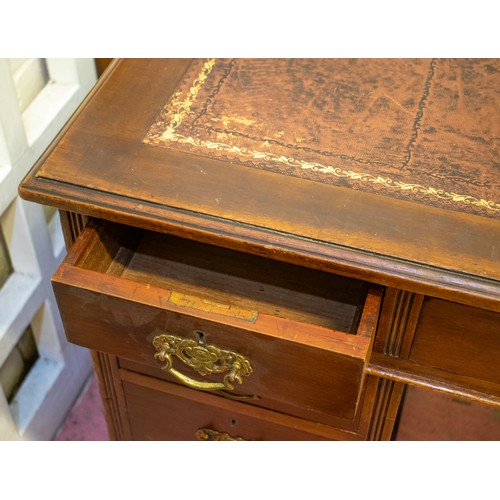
(426, 416)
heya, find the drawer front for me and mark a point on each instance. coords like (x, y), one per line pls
(295, 367)
(162, 411)
(459, 339)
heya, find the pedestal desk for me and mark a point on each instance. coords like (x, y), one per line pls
(272, 249)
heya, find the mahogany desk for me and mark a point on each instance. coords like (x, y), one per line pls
(272, 249)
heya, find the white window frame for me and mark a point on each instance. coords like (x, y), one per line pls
(36, 248)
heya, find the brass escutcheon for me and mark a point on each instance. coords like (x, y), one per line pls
(205, 359)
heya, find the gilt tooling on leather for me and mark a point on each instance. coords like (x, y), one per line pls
(421, 130)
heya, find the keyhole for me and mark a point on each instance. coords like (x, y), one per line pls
(201, 336)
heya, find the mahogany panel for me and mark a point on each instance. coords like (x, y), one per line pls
(409, 372)
(162, 411)
(459, 339)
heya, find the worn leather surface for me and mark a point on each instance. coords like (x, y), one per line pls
(421, 130)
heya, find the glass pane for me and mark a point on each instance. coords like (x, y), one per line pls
(5, 264)
(18, 364)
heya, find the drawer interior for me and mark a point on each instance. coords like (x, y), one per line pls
(227, 277)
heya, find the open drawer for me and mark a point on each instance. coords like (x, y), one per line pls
(271, 334)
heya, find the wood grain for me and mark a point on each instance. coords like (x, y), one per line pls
(459, 339)
(120, 316)
(101, 167)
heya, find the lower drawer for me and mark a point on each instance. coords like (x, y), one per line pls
(158, 410)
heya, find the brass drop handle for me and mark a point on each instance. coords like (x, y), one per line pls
(205, 359)
(213, 435)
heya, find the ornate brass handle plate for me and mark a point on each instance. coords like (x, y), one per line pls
(212, 435)
(205, 359)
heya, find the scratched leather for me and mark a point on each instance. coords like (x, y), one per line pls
(422, 130)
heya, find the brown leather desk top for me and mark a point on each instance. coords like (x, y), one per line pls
(384, 169)
(413, 129)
